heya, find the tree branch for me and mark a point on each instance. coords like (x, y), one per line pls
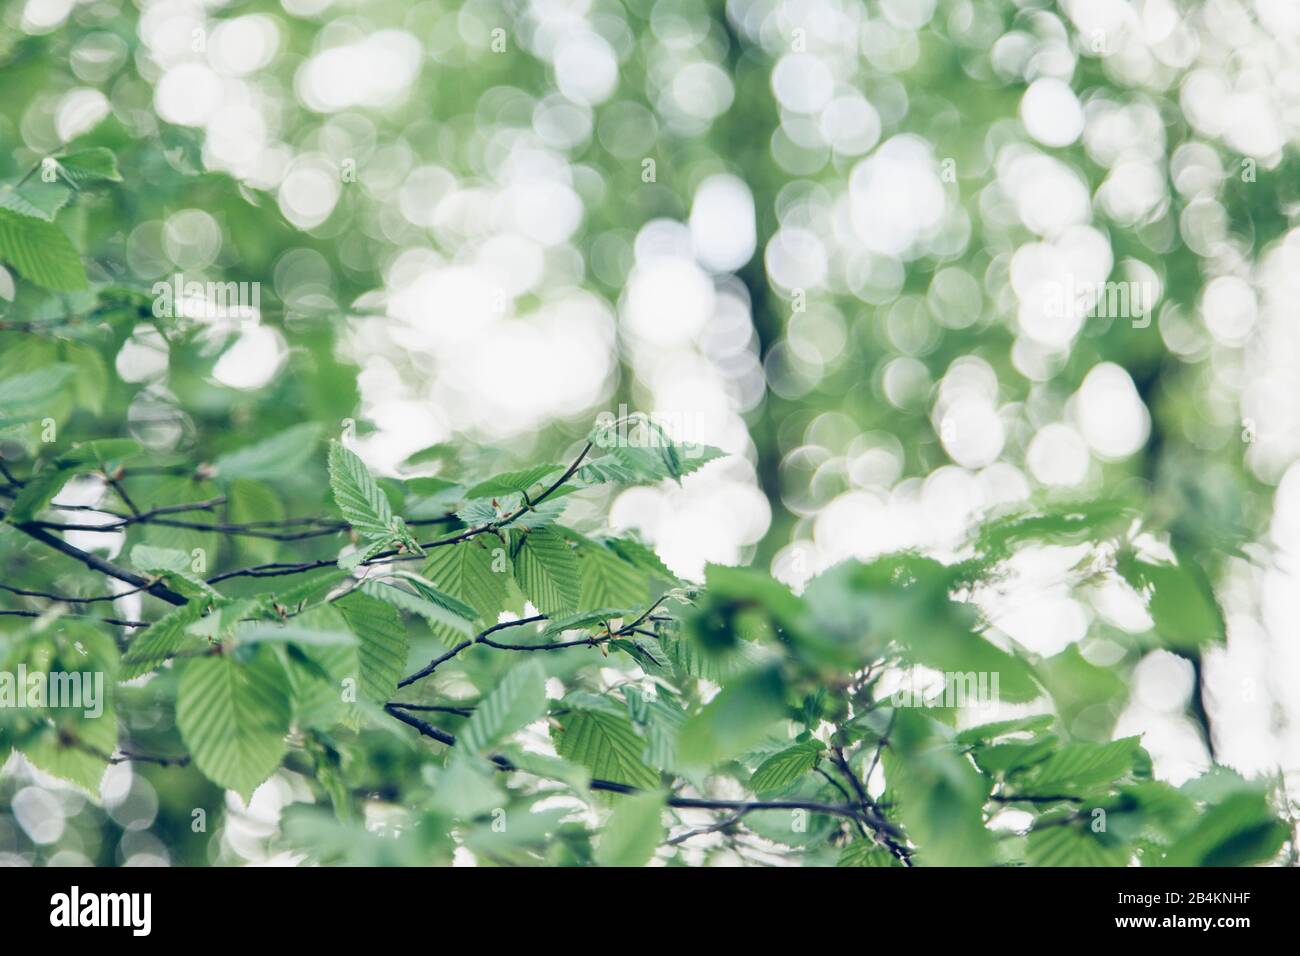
(96, 563)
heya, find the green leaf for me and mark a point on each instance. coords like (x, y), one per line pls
(633, 832)
(384, 644)
(41, 252)
(1071, 845)
(75, 748)
(1181, 601)
(154, 560)
(605, 743)
(280, 456)
(234, 717)
(263, 632)
(1081, 766)
(357, 495)
(782, 770)
(174, 566)
(29, 395)
(1242, 830)
(659, 720)
(740, 716)
(939, 795)
(101, 451)
(434, 613)
(864, 853)
(638, 450)
(40, 490)
(167, 636)
(642, 557)
(512, 482)
(445, 601)
(35, 200)
(465, 571)
(584, 620)
(984, 733)
(465, 790)
(94, 164)
(606, 580)
(518, 700)
(547, 571)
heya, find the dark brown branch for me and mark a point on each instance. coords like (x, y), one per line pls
(610, 786)
(438, 661)
(68, 598)
(91, 617)
(96, 563)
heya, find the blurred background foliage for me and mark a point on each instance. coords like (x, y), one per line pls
(838, 240)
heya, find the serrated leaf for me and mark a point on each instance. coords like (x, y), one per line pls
(233, 718)
(660, 721)
(35, 200)
(640, 556)
(782, 770)
(512, 482)
(983, 733)
(1082, 765)
(445, 601)
(606, 580)
(518, 700)
(173, 565)
(864, 853)
(693, 660)
(547, 571)
(384, 644)
(93, 164)
(164, 638)
(1071, 846)
(465, 571)
(41, 252)
(583, 620)
(605, 743)
(404, 600)
(75, 748)
(357, 495)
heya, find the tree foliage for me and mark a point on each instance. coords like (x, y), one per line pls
(464, 654)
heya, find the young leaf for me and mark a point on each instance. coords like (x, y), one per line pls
(234, 717)
(164, 638)
(41, 252)
(547, 571)
(95, 164)
(518, 700)
(384, 644)
(605, 743)
(357, 495)
(782, 770)
(465, 571)
(434, 613)
(514, 481)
